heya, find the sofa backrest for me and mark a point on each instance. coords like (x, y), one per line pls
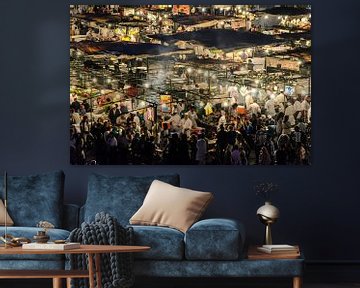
(70, 219)
(120, 196)
(35, 198)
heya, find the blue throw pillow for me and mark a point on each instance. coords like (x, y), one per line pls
(35, 198)
(120, 196)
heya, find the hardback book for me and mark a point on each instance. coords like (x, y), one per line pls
(255, 254)
(271, 249)
(51, 246)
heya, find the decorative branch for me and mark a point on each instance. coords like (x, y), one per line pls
(265, 189)
(45, 225)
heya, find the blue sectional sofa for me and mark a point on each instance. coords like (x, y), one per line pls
(210, 248)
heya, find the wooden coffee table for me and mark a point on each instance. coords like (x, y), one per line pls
(94, 267)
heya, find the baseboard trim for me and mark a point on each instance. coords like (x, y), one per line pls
(332, 271)
(332, 262)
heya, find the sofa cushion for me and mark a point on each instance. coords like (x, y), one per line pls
(170, 206)
(29, 232)
(214, 239)
(9, 221)
(119, 196)
(165, 243)
(35, 198)
(39, 264)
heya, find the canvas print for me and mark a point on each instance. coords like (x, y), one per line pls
(190, 85)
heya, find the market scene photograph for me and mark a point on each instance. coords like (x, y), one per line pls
(190, 85)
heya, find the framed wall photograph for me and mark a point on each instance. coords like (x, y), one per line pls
(190, 85)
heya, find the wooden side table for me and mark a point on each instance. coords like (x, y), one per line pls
(94, 268)
(254, 254)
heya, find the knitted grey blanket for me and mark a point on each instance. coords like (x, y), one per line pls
(116, 268)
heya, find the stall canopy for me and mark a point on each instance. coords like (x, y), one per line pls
(221, 38)
(301, 35)
(198, 20)
(291, 11)
(302, 53)
(121, 48)
(111, 19)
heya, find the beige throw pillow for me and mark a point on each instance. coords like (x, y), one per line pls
(9, 221)
(170, 206)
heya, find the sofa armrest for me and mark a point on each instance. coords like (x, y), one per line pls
(71, 216)
(215, 239)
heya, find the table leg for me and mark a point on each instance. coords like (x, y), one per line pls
(98, 270)
(57, 283)
(91, 270)
(68, 282)
(297, 282)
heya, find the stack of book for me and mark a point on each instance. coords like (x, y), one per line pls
(273, 252)
(279, 249)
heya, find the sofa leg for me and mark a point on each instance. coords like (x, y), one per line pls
(297, 282)
(57, 283)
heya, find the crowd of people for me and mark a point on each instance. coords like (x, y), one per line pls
(274, 132)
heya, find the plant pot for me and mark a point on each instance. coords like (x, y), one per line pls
(268, 214)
